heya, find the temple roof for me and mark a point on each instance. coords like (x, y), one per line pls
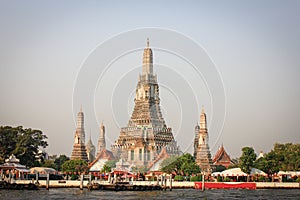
(104, 154)
(161, 156)
(221, 155)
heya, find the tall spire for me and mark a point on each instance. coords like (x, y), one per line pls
(79, 150)
(203, 123)
(80, 126)
(90, 148)
(147, 60)
(101, 140)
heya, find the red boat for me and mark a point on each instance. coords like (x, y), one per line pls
(226, 185)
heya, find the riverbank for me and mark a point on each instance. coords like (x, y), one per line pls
(175, 185)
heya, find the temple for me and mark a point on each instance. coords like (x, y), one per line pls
(101, 139)
(79, 150)
(201, 149)
(90, 150)
(146, 134)
(222, 158)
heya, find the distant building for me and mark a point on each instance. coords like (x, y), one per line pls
(79, 150)
(146, 134)
(90, 150)
(201, 148)
(155, 165)
(101, 139)
(222, 158)
(103, 156)
(260, 155)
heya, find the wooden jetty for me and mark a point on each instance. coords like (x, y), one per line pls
(14, 186)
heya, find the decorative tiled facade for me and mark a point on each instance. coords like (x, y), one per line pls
(146, 133)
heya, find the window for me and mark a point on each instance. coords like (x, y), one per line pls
(148, 155)
(132, 155)
(140, 154)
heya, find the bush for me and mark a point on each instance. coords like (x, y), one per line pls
(298, 180)
(178, 178)
(261, 179)
(196, 178)
(74, 177)
(219, 178)
(226, 179)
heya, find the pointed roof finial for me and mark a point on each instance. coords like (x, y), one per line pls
(81, 108)
(148, 42)
(202, 109)
(90, 134)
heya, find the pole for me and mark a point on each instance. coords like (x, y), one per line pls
(170, 182)
(81, 182)
(165, 182)
(47, 182)
(203, 177)
(36, 178)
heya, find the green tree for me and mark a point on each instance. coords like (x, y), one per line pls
(49, 164)
(75, 166)
(23, 143)
(60, 161)
(247, 159)
(180, 164)
(220, 168)
(109, 165)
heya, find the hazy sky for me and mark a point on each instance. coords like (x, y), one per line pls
(254, 45)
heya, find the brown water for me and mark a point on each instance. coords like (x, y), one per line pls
(73, 193)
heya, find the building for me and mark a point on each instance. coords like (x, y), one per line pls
(101, 139)
(222, 158)
(90, 150)
(201, 148)
(146, 133)
(103, 156)
(79, 150)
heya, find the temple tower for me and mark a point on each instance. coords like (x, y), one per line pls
(146, 133)
(101, 139)
(90, 150)
(201, 151)
(79, 150)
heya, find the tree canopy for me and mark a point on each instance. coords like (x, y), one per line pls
(59, 161)
(247, 159)
(24, 143)
(74, 166)
(180, 164)
(285, 157)
(110, 164)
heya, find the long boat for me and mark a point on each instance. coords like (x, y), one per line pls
(226, 185)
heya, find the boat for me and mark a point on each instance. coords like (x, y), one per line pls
(226, 185)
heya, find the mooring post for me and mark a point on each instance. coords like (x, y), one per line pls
(48, 181)
(81, 182)
(203, 177)
(9, 177)
(109, 178)
(36, 178)
(170, 182)
(165, 182)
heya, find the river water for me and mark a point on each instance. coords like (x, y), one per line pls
(75, 193)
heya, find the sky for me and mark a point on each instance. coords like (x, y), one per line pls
(251, 46)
